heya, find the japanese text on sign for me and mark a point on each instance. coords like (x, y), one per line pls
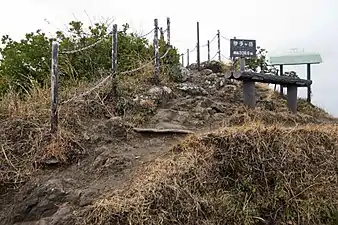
(242, 48)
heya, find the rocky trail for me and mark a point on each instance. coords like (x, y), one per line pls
(56, 194)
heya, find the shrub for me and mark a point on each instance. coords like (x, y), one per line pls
(26, 63)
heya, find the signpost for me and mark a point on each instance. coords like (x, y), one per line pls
(242, 48)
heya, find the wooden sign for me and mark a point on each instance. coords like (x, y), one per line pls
(242, 48)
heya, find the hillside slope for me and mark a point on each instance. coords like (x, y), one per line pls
(100, 171)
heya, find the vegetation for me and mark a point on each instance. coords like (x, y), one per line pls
(25, 64)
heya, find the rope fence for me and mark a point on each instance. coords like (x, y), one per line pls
(113, 75)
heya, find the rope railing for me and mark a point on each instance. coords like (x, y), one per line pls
(146, 34)
(84, 48)
(104, 80)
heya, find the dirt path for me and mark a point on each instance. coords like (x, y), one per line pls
(201, 104)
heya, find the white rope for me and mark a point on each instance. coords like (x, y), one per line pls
(144, 35)
(83, 49)
(107, 78)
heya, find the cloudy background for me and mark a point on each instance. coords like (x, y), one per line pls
(277, 25)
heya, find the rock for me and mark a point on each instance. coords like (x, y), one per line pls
(192, 89)
(192, 66)
(159, 93)
(63, 216)
(214, 66)
(179, 73)
(109, 130)
(155, 91)
(206, 72)
(41, 202)
(87, 197)
(184, 73)
(171, 116)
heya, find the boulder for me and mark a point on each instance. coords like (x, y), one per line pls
(206, 72)
(192, 89)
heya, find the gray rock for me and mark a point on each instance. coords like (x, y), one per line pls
(159, 93)
(206, 72)
(63, 216)
(192, 89)
(185, 73)
(171, 116)
(41, 202)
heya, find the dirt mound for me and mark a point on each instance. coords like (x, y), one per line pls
(240, 175)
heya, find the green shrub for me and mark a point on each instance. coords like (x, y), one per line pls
(25, 64)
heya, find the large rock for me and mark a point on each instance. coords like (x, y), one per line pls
(179, 73)
(159, 93)
(41, 202)
(214, 66)
(192, 89)
(206, 72)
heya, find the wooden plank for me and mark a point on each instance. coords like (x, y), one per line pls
(272, 79)
(154, 130)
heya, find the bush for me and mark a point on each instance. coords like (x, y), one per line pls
(26, 63)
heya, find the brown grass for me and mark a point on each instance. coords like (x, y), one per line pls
(241, 175)
(26, 142)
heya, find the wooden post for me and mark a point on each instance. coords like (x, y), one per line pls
(281, 74)
(157, 59)
(168, 31)
(114, 60)
(309, 92)
(208, 51)
(198, 47)
(249, 92)
(219, 45)
(54, 87)
(292, 98)
(182, 59)
(188, 57)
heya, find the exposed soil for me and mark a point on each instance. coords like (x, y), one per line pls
(201, 104)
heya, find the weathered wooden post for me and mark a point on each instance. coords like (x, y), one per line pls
(219, 45)
(208, 51)
(249, 92)
(157, 59)
(198, 47)
(188, 57)
(168, 31)
(292, 97)
(114, 60)
(54, 87)
(281, 74)
(309, 87)
(182, 59)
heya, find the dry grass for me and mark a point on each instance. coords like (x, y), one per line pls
(25, 123)
(241, 175)
(26, 143)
